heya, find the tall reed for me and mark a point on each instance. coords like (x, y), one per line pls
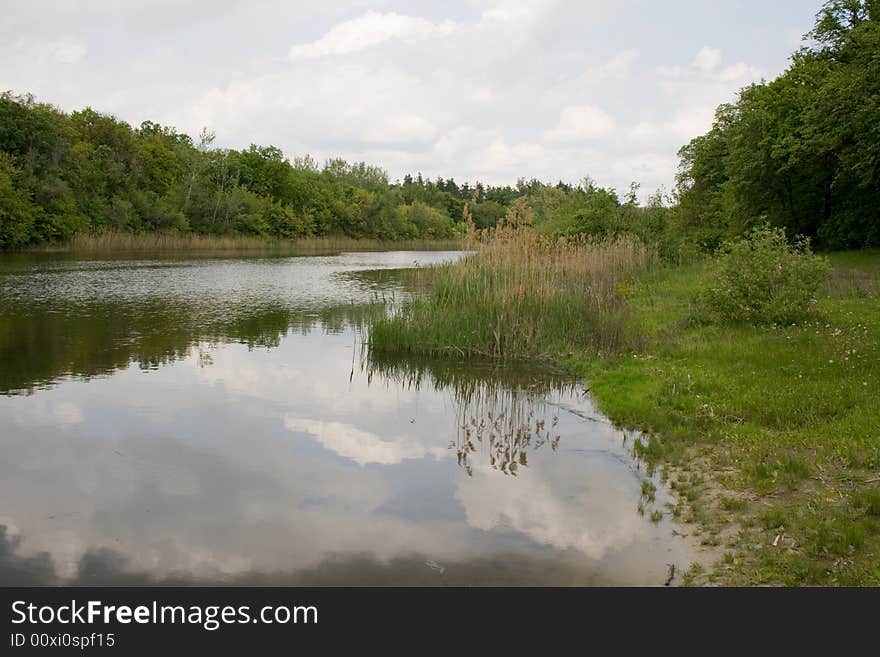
(520, 295)
(169, 242)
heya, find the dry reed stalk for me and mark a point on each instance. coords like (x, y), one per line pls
(519, 294)
(121, 242)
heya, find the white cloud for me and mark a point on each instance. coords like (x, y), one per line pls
(400, 127)
(582, 122)
(708, 59)
(683, 125)
(515, 11)
(67, 413)
(644, 167)
(457, 141)
(69, 52)
(644, 131)
(370, 30)
(592, 519)
(740, 73)
(46, 411)
(360, 446)
(499, 154)
(691, 121)
(619, 66)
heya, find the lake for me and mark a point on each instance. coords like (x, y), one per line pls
(218, 421)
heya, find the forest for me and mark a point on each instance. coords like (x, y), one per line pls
(801, 152)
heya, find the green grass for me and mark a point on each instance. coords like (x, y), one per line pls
(786, 416)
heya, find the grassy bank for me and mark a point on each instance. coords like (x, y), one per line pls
(774, 432)
(770, 435)
(121, 242)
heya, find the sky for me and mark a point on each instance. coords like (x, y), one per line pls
(475, 90)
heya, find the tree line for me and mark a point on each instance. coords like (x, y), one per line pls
(801, 152)
(86, 171)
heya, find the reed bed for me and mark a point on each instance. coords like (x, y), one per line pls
(172, 242)
(520, 295)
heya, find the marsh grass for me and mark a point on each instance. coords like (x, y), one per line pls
(520, 295)
(173, 242)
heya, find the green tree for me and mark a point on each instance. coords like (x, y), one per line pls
(801, 151)
(17, 213)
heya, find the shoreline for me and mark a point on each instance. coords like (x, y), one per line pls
(780, 492)
(194, 243)
(769, 436)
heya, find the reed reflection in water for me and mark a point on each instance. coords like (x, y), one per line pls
(501, 412)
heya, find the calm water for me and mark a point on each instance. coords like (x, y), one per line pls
(217, 421)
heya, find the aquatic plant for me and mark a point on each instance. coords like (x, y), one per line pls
(519, 295)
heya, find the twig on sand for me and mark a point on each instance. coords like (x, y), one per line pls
(671, 574)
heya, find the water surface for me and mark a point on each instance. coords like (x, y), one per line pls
(216, 421)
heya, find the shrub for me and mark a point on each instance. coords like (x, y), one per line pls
(764, 279)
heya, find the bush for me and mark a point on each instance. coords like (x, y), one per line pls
(764, 279)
